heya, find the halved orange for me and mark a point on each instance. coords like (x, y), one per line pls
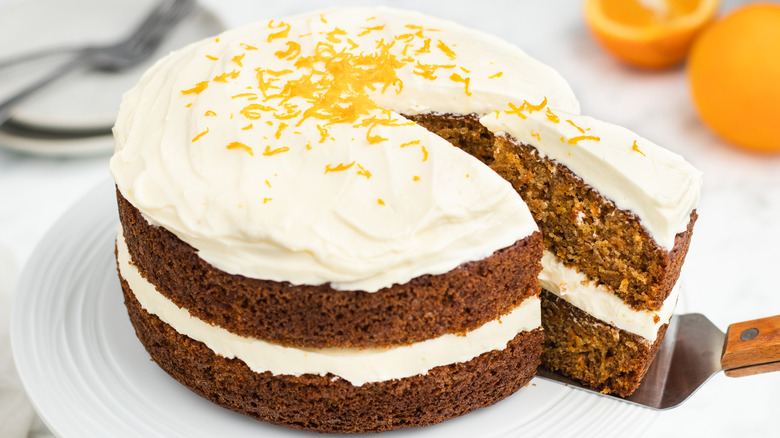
(651, 34)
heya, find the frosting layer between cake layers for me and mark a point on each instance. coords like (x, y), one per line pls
(599, 302)
(356, 365)
(278, 150)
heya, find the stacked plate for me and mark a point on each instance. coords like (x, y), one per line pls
(74, 115)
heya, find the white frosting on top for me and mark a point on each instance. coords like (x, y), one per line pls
(246, 147)
(596, 300)
(356, 365)
(657, 185)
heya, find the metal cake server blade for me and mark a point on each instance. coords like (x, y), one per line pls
(693, 351)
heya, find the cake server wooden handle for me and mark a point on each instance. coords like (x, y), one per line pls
(752, 347)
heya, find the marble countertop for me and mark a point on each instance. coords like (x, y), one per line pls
(735, 241)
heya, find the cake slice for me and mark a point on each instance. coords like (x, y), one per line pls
(616, 213)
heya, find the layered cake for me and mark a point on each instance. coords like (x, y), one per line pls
(323, 223)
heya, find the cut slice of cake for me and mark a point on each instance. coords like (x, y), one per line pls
(616, 212)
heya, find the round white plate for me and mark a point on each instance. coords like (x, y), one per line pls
(83, 100)
(88, 375)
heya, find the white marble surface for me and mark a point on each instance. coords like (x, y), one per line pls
(728, 273)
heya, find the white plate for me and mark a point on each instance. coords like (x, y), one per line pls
(88, 99)
(88, 375)
(53, 145)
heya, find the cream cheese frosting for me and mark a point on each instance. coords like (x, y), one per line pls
(596, 300)
(279, 150)
(655, 184)
(356, 365)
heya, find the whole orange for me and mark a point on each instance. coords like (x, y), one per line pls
(651, 34)
(734, 76)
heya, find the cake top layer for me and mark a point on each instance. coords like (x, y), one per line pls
(278, 150)
(655, 184)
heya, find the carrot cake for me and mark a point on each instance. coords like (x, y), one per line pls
(300, 242)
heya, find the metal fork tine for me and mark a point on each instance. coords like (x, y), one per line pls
(135, 47)
(158, 27)
(150, 22)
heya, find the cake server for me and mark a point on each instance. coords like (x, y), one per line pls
(694, 350)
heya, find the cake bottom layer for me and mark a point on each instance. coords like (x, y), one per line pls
(592, 352)
(328, 403)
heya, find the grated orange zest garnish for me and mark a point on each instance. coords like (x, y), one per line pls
(427, 70)
(552, 117)
(293, 50)
(421, 28)
(367, 30)
(516, 110)
(323, 133)
(444, 48)
(213, 58)
(254, 111)
(210, 113)
(635, 148)
(458, 78)
(238, 59)
(363, 172)
(282, 33)
(197, 89)
(249, 96)
(497, 75)
(247, 46)
(242, 146)
(268, 151)
(197, 137)
(582, 131)
(380, 201)
(410, 143)
(531, 108)
(575, 140)
(338, 168)
(279, 130)
(374, 139)
(426, 47)
(333, 36)
(225, 76)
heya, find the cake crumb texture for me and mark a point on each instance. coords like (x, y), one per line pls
(589, 233)
(592, 352)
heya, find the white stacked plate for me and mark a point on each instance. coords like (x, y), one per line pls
(74, 115)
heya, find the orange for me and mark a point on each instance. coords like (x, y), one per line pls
(734, 76)
(651, 34)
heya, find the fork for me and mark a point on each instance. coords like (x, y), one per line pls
(113, 57)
